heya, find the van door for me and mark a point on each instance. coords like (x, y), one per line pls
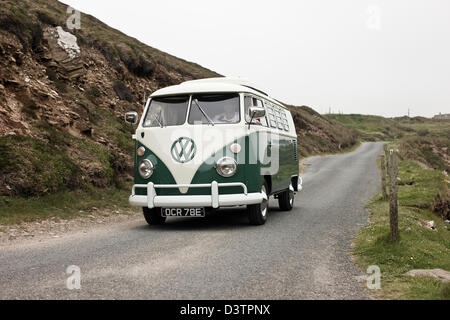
(253, 143)
(274, 146)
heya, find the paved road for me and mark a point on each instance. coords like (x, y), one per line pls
(302, 254)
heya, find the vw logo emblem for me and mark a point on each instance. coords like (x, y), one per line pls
(183, 150)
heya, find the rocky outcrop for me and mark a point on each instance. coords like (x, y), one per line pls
(64, 53)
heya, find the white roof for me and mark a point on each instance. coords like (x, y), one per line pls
(223, 84)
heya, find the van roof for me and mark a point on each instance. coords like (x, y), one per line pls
(216, 85)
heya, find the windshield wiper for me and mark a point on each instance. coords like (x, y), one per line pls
(204, 113)
(159, 121)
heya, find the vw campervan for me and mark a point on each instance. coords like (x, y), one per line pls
(213, 143)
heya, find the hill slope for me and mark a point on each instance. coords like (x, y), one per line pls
(61, 107)
(317, 134)
(421, 139)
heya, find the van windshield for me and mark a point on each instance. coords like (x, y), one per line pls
(168, 111)
(214, 108)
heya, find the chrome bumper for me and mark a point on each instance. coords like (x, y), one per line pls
(215, 200)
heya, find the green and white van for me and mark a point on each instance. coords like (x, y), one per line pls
(213, 143)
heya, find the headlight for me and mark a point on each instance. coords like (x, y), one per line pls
(145, 168)
(226, 167)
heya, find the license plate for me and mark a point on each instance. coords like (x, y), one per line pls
(183, 212)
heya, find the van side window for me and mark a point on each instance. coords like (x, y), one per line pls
(285, 120)
(252, 101)
(279, 119)
(271, 115)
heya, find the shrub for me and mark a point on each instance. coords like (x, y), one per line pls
(51, 74)
(15, 26)
(45, 18)
(441, 205)
(122, 91)
(140, 66)
(94, 91)
(36, 35)
(423, 132)
(28, 32)
(109, 53)
(60, 86)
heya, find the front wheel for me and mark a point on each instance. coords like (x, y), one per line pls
(257, 213)
(286, 199)
(153, 216)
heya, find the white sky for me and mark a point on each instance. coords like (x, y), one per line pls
(356, 56)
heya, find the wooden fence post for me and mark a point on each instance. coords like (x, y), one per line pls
(393, 200)
(383, 177)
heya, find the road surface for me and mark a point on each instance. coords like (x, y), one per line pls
(302, 254)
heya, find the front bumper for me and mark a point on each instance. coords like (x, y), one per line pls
(215, 200)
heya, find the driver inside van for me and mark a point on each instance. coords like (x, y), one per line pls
(248, 103)
(229, 115)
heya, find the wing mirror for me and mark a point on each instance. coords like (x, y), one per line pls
(131, 117)
(255, 113)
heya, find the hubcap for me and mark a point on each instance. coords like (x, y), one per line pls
(291, 195)
(265, 202)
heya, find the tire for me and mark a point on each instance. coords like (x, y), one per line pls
(257, 213)
(286, 200)
(153, 216)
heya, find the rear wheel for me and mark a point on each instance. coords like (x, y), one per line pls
(153, 216)
(286, 199)
(257, 213)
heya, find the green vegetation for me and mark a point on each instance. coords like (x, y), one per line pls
(319, 135)
(37, 168)
(419, 246)
(62, 205)
(420, 139)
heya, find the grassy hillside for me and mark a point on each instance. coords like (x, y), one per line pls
(424, 140)
(318, 134)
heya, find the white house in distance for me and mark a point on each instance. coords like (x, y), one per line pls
(441, 116)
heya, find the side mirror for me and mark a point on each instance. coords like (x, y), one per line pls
(256, 112)
(131, 117)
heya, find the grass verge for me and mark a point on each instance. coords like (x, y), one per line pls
(62, 205)
(419, 247)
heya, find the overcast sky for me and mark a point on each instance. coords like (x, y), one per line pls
(356, 56)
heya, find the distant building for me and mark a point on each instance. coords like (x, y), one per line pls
(441, 116)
